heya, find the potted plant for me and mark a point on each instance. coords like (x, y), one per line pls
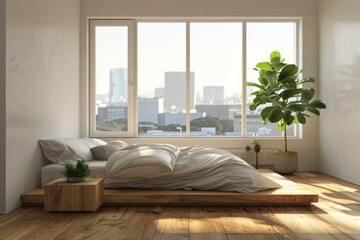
(76, 173)
(257, 147)
(286, 101)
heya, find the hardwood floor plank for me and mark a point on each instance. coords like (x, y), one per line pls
(105, 223)
(335, 216)
(340, 211)
(52, 224)
(205, 223)
(172, 223)
(20, 223)
(239, 223)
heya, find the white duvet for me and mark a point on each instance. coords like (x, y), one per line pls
(190, 168)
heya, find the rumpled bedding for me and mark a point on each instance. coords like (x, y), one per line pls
(165, 166)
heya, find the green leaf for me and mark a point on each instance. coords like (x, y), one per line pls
(253, 106)
(264, 66)
(281, 126)
(275, 54)
(317, 104)
(314, 111)
(251, 84)
(290, 93)
(271, 79)
(288, 118)
(295, 107)
(274, 96)
(275, 57)
(307, 94)
(306, 80)
(301, 118)
(296, 121)
(288, 71)
(278, 66)
(289, 83)
(272, 114)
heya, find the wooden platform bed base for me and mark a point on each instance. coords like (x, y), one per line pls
(291, 194)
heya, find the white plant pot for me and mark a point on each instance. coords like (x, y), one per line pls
(285, 163)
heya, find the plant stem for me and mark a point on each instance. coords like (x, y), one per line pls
(285, 138)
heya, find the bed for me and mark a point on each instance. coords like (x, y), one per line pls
(165, 166)
(215, 184)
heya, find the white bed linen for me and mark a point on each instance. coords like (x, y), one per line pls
(196, 168)
(53, 171)
(145, 161)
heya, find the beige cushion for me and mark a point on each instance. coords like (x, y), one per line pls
(103, 152)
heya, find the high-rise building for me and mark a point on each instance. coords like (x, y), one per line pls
(149, 109)
(175, 91)
(213, 95)
(118, 85)
(220, 111)
(159, 92)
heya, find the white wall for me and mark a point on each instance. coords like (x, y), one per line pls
(2, 106)
(307, 9)
(42, 85)
(340, 88)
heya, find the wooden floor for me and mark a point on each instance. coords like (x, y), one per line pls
(335, 216)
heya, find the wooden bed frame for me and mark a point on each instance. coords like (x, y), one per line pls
(290, 194)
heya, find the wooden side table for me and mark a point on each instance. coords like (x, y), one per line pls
(63, 196)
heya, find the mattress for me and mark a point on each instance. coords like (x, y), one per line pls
(194, 168)
(53, 171)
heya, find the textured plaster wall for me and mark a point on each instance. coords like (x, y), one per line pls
(340, 88)
(42, 85)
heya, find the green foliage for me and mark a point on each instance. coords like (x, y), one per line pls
(280, 88)
(81, 169)
(248, 148)
(254, 142)
(114, 125)
(208, 121)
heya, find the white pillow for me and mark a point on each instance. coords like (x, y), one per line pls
(65, 150)
(139, 162)
(118, 143)
(94, 141)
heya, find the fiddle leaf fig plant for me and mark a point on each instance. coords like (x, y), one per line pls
(281, 90)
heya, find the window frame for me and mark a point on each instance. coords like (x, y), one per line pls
(132, 72)
(93, 23)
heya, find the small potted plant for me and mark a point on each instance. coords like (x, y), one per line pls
(257, 146)
(76, 173)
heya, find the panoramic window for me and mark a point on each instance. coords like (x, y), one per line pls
(190, 76)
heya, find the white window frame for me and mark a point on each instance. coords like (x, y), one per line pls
(93, 23)
(132, 68)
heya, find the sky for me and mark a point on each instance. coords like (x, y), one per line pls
(215, 52)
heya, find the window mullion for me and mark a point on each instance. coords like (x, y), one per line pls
(243, 105)
(188, 90)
